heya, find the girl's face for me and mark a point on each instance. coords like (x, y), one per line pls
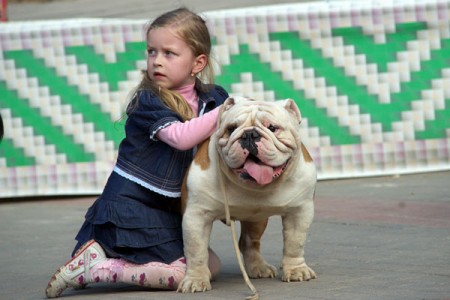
(170, 61)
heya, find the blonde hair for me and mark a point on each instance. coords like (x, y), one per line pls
(193, 30)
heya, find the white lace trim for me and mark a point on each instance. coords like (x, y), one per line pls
(153, 135)
(145, 184)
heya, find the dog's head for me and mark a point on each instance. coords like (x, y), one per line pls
(257, 141)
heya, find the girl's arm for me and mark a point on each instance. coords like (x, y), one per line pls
(185, 136)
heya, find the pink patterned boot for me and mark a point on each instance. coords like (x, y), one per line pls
(75, 273)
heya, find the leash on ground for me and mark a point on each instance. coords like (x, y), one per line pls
(255, 295)
(231, 224)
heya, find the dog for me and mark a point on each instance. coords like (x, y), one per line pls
(256, 162)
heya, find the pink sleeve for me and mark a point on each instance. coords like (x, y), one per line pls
(187, 135)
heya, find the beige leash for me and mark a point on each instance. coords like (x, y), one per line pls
(231, 223)
(255, 295)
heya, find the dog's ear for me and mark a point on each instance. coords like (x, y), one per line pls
(229, 102)
(292, 108)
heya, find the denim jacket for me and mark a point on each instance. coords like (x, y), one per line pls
(149, 162)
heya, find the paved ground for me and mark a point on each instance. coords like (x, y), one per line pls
(372, 238)
(133, 9)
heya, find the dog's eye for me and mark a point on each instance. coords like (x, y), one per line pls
(231, 128)
(272, 128)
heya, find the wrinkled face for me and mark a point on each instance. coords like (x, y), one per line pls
(257, 139)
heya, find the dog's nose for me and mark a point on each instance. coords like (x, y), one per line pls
(250, 134)
(249, 139)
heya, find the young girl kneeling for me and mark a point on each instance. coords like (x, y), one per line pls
(132, 233)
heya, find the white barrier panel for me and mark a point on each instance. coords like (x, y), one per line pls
(372, 79)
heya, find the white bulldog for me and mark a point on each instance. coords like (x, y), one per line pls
(255, 160)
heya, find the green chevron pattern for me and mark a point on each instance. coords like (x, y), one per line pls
(380, 54)
(43, 127)
(59, 86)
(386, 114)
(354, 86)
(246, 62)
(112, 73)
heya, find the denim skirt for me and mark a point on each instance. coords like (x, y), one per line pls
(131, 222)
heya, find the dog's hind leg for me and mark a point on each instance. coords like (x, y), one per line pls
(249, 244)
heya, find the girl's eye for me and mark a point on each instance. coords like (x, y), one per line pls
(151, 52)
(169, 53)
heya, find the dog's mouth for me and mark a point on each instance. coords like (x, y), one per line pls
(255, 170)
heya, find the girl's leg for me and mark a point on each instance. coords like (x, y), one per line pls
(152, 275)
(90, 265)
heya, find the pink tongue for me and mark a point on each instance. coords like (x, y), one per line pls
(261, 173)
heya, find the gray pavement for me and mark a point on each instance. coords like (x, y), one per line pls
(131, 9)
(372, 238)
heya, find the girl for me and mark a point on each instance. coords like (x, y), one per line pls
(132, 233)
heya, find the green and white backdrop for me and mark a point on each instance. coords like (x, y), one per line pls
(371, 78)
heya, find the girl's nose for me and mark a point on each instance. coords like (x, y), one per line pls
(157, 61)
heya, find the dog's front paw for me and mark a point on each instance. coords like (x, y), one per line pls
(301, 273)
(262, 270)
(192, 284)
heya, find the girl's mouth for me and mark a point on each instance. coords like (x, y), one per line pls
(158, 75)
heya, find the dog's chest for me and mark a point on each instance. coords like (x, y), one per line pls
(255, 214)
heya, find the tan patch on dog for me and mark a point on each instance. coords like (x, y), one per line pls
(201, 157)
(306, 154)
(184, 192)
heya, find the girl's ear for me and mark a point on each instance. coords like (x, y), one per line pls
(199, 63)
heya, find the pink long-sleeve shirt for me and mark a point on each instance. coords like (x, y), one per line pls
(186, 135)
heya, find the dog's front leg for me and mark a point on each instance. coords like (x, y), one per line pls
(196, 234)
(295, 229)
